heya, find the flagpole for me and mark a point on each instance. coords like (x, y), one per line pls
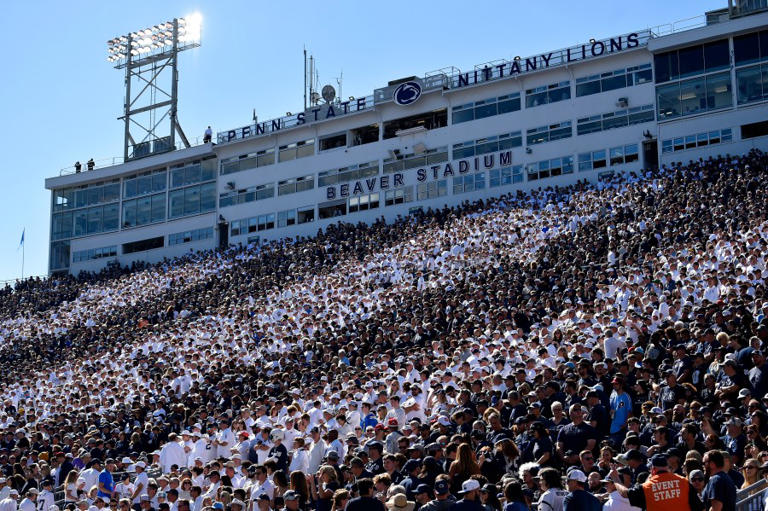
(23, 254)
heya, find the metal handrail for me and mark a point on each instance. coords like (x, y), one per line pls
(114, 160)
(751, 498)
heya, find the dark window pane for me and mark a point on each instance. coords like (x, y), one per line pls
(512, 105)
(764, 44)
(665, 65)
(463, 116)
(716, 55)
(614, 82)
(691, 61)
(746, 48)
(485, 111)
(585, 89)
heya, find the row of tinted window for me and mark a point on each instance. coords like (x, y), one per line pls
(487, 145)
(694, 96)
(505, 176)
(750, 48)
(411, 160)
(94, 253)
(486, 108)
(549, 168)
(752, 83)
(296, 184)
(192, 200)
(144, 210)
(691, 61)
(143, 184)
(245, 195)
(705, 138)
(613, 80)
(72, 198)
(179, 238)
(618, 119)
(248, 161)
(198, 172)
(346, 174)
(92, 220)
(547, 94)
(549, 133)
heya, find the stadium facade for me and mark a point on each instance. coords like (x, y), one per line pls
(651, 97)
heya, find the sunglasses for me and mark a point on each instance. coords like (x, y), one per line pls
(697, 479)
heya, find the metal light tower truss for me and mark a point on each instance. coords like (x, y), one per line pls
(150, 59)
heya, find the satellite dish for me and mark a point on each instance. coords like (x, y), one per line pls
(329, 93)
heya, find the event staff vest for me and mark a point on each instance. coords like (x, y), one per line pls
(666, 492)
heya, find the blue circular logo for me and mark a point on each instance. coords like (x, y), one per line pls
(407, 93)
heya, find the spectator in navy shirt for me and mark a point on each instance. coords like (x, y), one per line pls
(720, 492)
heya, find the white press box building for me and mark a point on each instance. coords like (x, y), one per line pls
(623, 103)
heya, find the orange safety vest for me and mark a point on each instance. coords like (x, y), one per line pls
(666, 492)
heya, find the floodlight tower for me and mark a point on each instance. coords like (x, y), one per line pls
(150, 60)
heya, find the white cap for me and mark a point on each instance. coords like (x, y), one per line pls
(577, 475)
(472, 484)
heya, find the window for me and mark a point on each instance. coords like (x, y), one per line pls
(94, 253)
(746, 48)
(549, 133)
(505, 176)
(702, 139)
(469, 183)
(485, 108)
(752, 84)
(179, 238)
(364, 135)
(429, 121)
(487, 145)
(432, 190)
(547, 94)
(549, 168)
(245, 195)
(297, 150)
(253, 224)
(192, 200)
(363, 202)
(613, 80)
(89, 195)
(592, 160)
(693, 96)
(400, 162)
(143, 245)
(398, 196)
(305, 215)
(144, 210)
(143, 184)
(248, 161)
(333, 141)
(617, 119)
(346, 174)
(692, 61)
(755, 129)
(296, 184)
(197, 172)
(59, 255)
(332, 209)
(286, 218)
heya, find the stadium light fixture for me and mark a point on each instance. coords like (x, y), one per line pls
(157, 40)
(149, 56)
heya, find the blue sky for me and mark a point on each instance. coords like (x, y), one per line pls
(59, 98)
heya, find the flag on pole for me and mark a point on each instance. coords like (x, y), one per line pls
(21, 243)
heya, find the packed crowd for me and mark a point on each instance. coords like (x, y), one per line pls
(594, 346)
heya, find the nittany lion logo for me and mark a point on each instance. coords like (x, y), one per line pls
(407, 93)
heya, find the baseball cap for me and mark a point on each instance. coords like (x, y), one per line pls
(470, 485)
(442, 487)
(577, 475)
(422, 488)
(659, 460)
(290, 495)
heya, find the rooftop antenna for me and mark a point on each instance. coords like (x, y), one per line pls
(305, 77)
(149, 56)
(339, 80)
